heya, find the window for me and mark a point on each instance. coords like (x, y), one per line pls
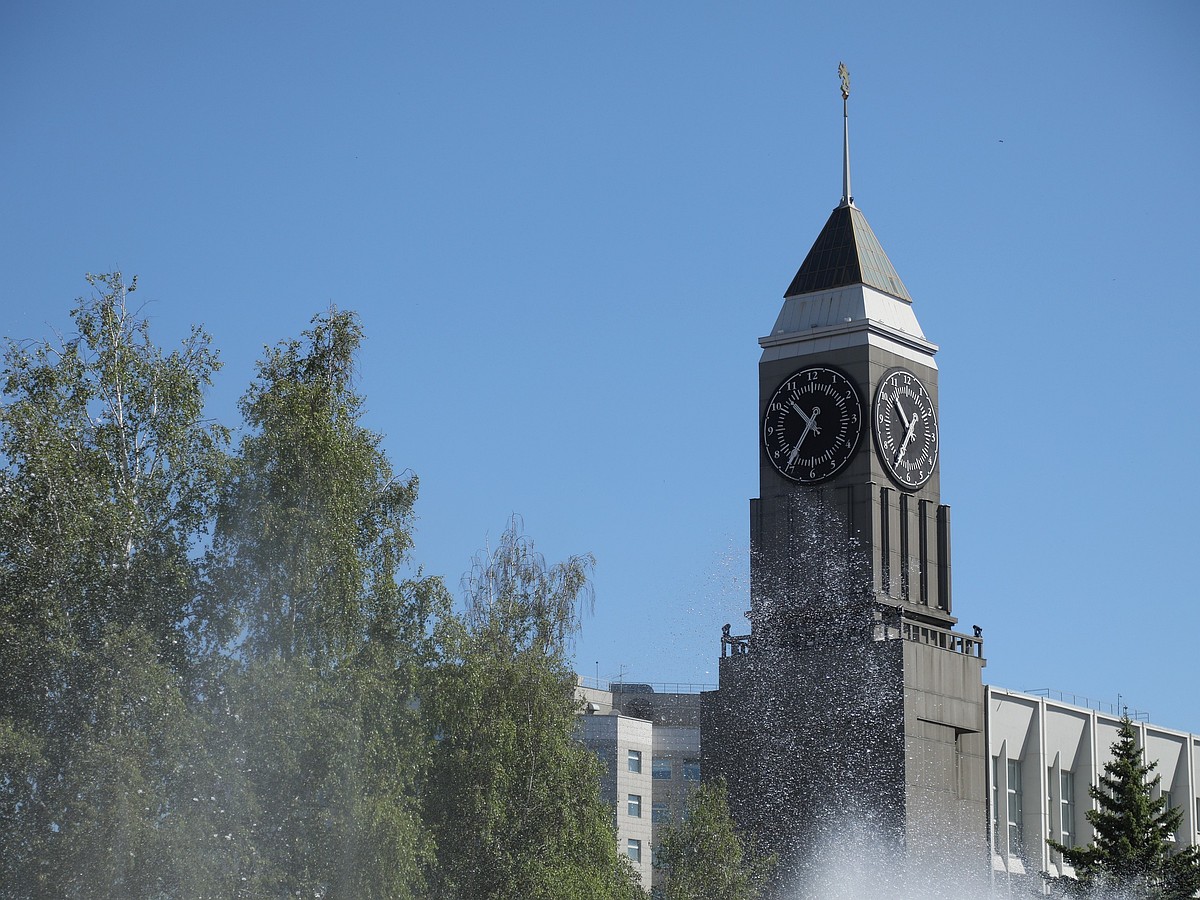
(1015, 808)
(660, 812)
(662, 767)
(1050, 801)
(635, 760)
(996, 802)
(1066, 796)
(633, 849)
(691, 770)
(635, 805)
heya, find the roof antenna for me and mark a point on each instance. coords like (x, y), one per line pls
(847, 198)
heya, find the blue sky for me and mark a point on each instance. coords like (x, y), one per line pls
(565, 226)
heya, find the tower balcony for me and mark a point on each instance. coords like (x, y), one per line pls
(889, 624)
(943, 638)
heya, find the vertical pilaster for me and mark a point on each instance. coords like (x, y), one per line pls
(885, 540)
(923, 550)
(943, 553)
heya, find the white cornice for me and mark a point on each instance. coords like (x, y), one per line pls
(868, 326)
(846, 317)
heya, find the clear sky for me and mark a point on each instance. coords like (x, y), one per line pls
(565, 226)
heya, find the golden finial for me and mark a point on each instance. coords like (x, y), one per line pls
(844, 73)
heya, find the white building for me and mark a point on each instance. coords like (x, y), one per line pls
(649, 743)
(1045, 755)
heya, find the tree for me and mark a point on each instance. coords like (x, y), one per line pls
(514, 800)
(1132, 852)
(330, 644)
(108, 476)
(705, 857)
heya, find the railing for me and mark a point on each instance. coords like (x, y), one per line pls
(635, 687)
(943, 638)
(1112, 709)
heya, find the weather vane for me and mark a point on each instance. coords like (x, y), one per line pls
(847, 199)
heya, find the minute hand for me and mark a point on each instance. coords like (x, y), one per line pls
(810, 427)
(912, 427)
(796, 450)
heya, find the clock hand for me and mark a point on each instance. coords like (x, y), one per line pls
(810, 422)
(912, 427)
(796, 450)
(810, 425)
(903, 418)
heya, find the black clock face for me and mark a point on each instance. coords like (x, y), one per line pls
(812, 424)
(905, 426)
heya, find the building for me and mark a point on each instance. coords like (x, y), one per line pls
(1045, 753)
(1039, 746)
(854, 704)
(649, 742)
(853, 699)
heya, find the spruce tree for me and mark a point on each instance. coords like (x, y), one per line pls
(1133, 852)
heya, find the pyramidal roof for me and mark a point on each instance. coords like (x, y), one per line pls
(847, 252)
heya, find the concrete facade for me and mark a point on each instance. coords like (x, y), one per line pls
(1044, 756)
(853, 700)
(663, 728)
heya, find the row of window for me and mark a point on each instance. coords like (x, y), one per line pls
(633, 849)
(662, 766)
(1014, 806)
(660, 810)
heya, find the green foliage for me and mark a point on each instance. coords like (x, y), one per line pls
(218, 680)
(108, 479)
(705, 857)
(514, 800)
(324, 726)
(1133, 851)
(315, 523)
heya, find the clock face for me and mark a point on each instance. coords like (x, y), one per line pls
(905, 426)
(812, 424)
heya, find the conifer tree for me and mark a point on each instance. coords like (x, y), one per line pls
(1133, 851)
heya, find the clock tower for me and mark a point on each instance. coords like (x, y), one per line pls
(854, 705)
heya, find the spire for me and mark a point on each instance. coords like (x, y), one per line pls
(847, 197)
(846, 251)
